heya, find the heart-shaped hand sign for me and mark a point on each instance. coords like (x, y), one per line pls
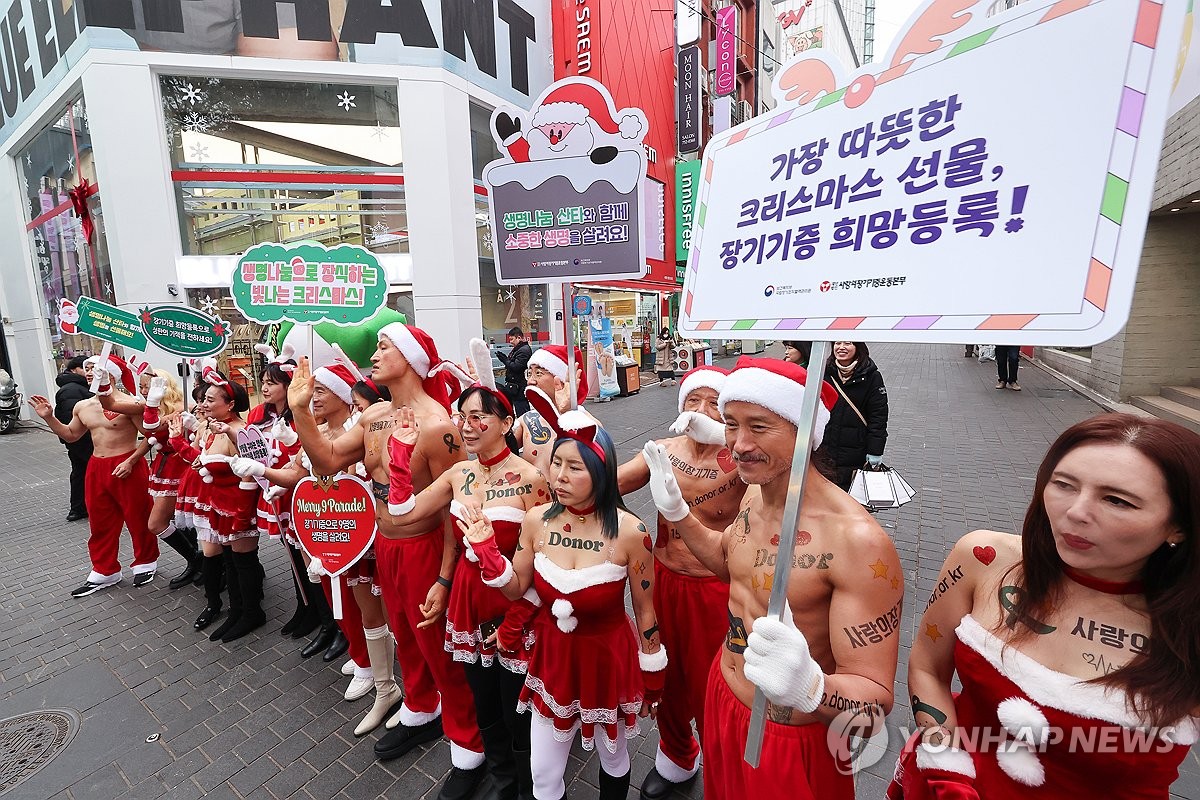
(334, 520)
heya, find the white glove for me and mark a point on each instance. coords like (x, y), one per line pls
(284, 433)
(663, 485)
(700, 428)
(158, 387)
(247, 468)
(274, 493)
(316, 570)
(778, 662)
(189, 421)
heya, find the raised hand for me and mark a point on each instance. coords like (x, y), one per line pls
(158, 388)
(663, 486)
(477, 528)
(407, 428)
(41, 406)
(300, 390)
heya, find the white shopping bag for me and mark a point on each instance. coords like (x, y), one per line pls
(882, 488)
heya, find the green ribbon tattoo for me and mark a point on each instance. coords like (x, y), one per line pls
(1006, 595)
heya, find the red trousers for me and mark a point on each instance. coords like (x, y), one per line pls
(692, 614)
(405, 569)
(111, 503)
(796, 763)
(351, 623)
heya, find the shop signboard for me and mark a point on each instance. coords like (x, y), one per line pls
(582, 305)
(309, 283)
(906, 202)
(687, 181)
(183, 331)
(725, 80)
(565, 201)
(687, 98)
(687, 22)
(110, 324)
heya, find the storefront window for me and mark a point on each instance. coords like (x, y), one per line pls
(276, 161)
(58, 174)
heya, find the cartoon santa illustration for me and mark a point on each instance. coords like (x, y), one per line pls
(68, 316)
(575, 118)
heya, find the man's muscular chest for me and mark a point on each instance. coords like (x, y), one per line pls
(375, 439)
(96, 418)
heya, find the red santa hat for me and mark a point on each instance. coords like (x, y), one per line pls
(777, 386)
(337, 378)
(119, 370)
(701, 378)
(441, 380)
(553, 359)
(580, 100)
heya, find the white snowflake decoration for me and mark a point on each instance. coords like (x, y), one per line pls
(346, 101)
(196, 122)
(376, 231)
(198, 152)
(70, 163)
(209, 306)
(108, 288)
(190, 93)
(379, 133)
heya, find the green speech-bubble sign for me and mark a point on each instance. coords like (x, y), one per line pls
(110, 324)
(309, 282)
(184, 331)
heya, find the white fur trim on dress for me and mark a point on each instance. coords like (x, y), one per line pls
(564, 111)
(400, 509)
(463, 758)
(600, 717)
(1018, 761)
(773, 392)
(532, 596)
(549, 362)
(399, 335)
(672, 772)
(502, 580)
(412, 719)
(330, 380)
(945, 759)
(564, 615)
(1024, 721)
(701, 379)
(1057, 690)
(574, 580)
(653, 662)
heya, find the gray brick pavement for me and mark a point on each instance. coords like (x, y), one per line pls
(253, 720)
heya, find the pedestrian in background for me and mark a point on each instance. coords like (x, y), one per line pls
(857, 429)
(1008, 358)
(797, 352)
(73, 387)
(515, 364)
(664, 358)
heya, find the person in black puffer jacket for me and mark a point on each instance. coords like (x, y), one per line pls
(73, 387)
(854, 438)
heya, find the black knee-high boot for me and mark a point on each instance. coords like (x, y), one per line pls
(303, 619)
(324, 616)
(212, 571)
(234, 587)
(180, 543)
(613, 788)
(250, 577)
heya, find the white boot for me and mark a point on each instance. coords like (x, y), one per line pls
(381, 648)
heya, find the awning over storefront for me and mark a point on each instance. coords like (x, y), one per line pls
(643, 285)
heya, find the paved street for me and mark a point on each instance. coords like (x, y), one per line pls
(166, 713)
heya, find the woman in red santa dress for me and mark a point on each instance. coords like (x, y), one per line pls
(590, 671)
(363, 625)
(1077, 643)
(224, 512)
(485, 630)
(160, 398)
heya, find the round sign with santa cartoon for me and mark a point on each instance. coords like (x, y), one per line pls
(566, 200)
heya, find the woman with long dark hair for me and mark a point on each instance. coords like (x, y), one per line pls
(1074, 641)
(857, 429)
(589, 671)
(485, 630)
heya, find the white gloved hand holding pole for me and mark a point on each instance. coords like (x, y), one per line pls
(247, 468)
(779, 663)
(663, 486)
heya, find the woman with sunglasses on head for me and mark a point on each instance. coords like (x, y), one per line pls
(589, 671)
(485, 630)
(225, 511)
(1077, 643)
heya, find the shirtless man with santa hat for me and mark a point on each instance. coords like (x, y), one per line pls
(836, 649)
(548, 375)
(689, 599)
(116, 485)
(414, 554)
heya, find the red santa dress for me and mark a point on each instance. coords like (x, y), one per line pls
(473, 603)
(224, 510)
(1036, 733)
(166, 470)
(584, 670)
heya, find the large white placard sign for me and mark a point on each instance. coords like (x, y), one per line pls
(990, 181)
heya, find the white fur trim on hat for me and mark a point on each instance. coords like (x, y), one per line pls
(330, 380)
(551, 363)
(564, 111)
(701, 379)
(630, 126)
(399, 335)
(773, 392)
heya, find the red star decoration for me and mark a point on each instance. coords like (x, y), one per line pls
(145, 316)
(219, 329)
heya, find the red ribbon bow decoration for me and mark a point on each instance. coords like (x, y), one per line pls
(79, 202)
